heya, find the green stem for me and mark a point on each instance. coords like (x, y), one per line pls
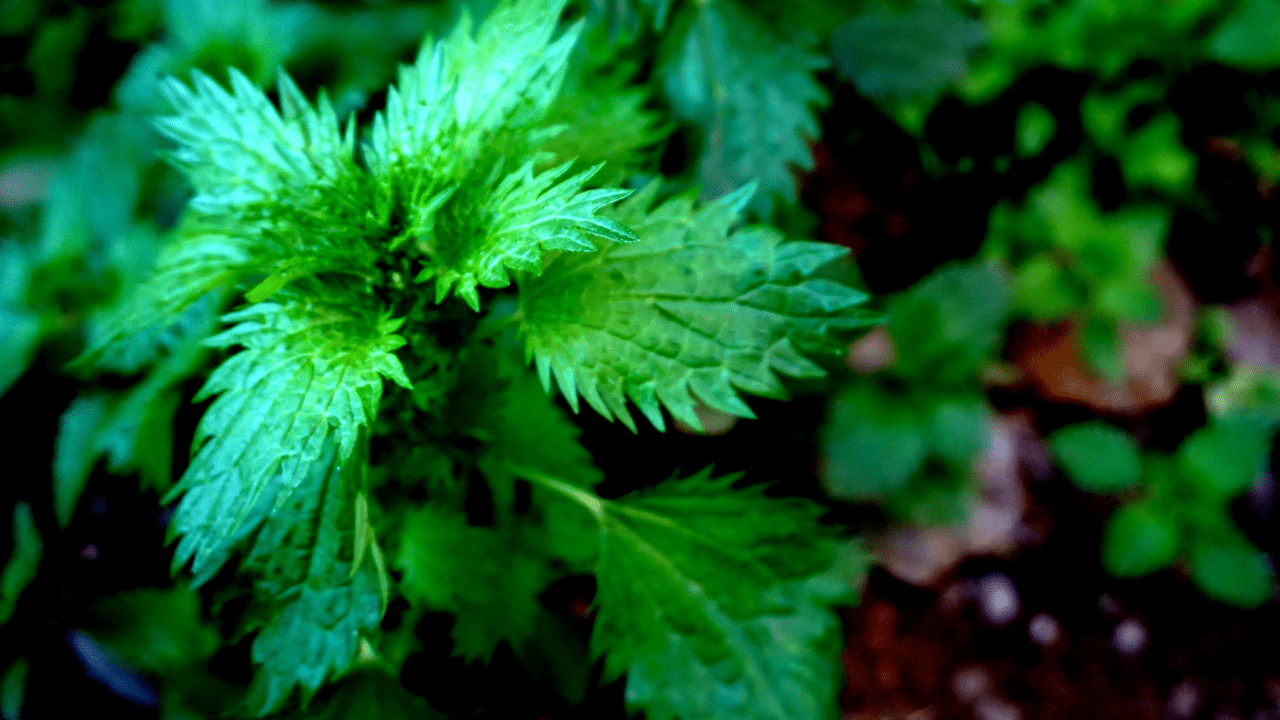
(585, 498)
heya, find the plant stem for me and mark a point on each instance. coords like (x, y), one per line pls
(585, 498)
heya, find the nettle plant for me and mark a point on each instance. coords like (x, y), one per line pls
(357, 258)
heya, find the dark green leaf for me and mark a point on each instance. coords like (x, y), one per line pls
(372, 693)
(917, 50)
(750, 92)
(490, 578)
(713, 602)
(316, 600)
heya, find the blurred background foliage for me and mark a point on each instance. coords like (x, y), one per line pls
(1065, 208)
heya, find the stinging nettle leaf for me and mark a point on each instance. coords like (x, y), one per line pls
(714, 603)
(530, 216)
(692, 307)
(313, 611)
(488, 577)
(237, 149)
(472, 107)
(915, 51)
(751, 94)
(309, 378)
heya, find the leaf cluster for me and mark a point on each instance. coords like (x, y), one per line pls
(1177, 506)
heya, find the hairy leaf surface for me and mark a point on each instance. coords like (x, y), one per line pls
(713, 602)
(458, 143)
(312, 607)
(692, 307)
(308, 379)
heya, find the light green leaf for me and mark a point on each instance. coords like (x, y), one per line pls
(750, 92)
(1139, 539)
(461, 117)
(1097, 457)
(1036, 127)
(693, 307)
(1233, 572)
(905, 52)
(1155, 157)
(714, 604)
(308, 379)
(284, 182)
(238, 150)
(529, 215)
(24, 560)
(313, 611)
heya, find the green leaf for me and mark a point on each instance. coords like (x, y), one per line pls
(1139, 539)
(1156, 158)
(308, 379)
(918, 50)
(959, 428)
(169, 309)
(947, 324)
(238, 150)
(713, 602)
(1036, 127)
(372, 693)
(605, 117)
(13, 689)
(488, 577)
(20, 326)
(75, 452)
(469, 109)
(1226, 457)
(525, 427)
(1235, 573)
(1246, 38)
(313, 610)
(873, 443)
(1097, 457)
(24, 561)
(751, 94)
(156, 630)
(529, 215)
(473, 85)
(693, 307)
(284, 182)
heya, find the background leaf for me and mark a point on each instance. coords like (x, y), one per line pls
(1097, 457)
